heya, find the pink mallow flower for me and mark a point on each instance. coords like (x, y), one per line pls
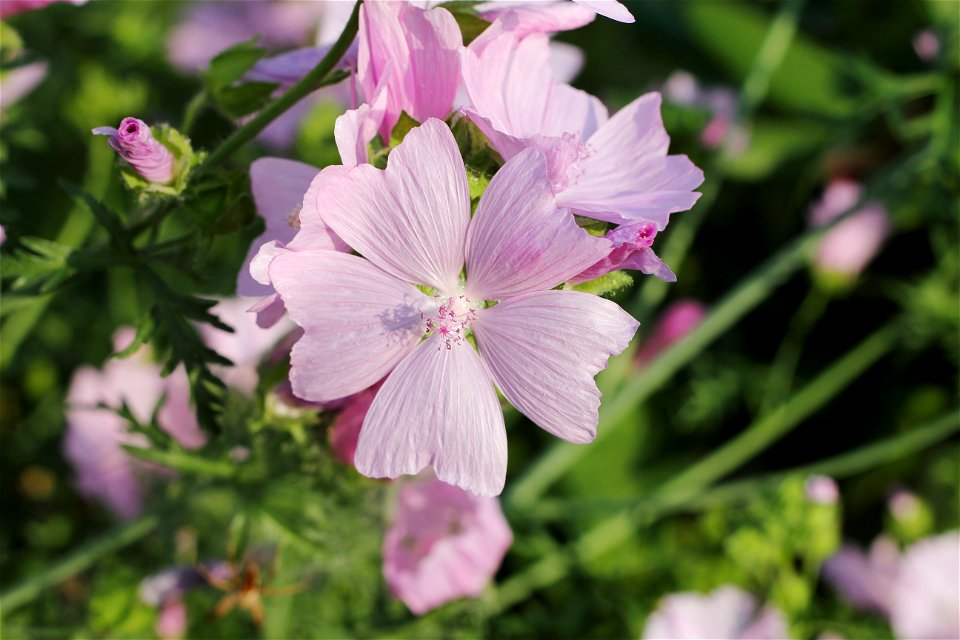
(679, 319)
(364, 319)
(614, 169)
(413, 55)
(917, 590)
(848, 247)
(95, 436)
(727, 613)
(444, 544)
(135, 143)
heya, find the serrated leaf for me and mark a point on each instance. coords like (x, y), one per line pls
(107, 218)
(605, 284)
(230, 65)
(145, 330)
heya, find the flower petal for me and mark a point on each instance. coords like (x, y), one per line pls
(410, 220)
(519, 241)
(438, 407)
(610, 9)
(544, 348)
(358, 321)
(278, 186)
(628, 176)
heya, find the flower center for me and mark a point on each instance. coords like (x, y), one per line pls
(450, 319)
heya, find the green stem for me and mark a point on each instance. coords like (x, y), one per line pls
(621, 526)
(186, 462)
(315, 78)
(784, 366)
(194, 107)
(82, 558)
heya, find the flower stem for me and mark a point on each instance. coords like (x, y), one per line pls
(317, 77)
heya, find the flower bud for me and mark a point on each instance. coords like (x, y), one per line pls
(850, 245)
(135, 143)
(821, 490)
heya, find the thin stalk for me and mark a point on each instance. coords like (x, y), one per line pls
(84, 557)
(621, 526)
(315, 78)
(186, 462)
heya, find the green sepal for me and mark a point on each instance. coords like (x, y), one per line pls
(606, 284)
(185, 160)
(405, 123)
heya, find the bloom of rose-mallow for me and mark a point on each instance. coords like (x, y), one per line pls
(444, 543)
(727, 613)
(414, 54)
(677, 320)
(849, 246)
(95, 436)
(926, 594)
(403, 311)
(135, 143)
(609, 168)
(866, 581)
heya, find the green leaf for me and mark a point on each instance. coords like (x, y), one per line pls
(471, 25)
(230, 65)
(243, 99)
(402, 128)
(605, 284)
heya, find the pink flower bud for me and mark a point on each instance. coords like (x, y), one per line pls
(677, 321)
(821, 489)
(927, 45)
(135, 143)
(849, 246)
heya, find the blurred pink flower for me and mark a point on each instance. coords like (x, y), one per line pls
(926, 593)
(614, 169)
(927, 45)
(444, 544)
(684, 89)
(135, 143)
(865, 581)
(94, 438)
(414, 53)
(821, 489)
(727, 613)
(17, 82)
(679, 319)
(171, 621)
(12, 7)
(904, 505)
(364, 319)
(850, 245)
(210, 27)
(165, 589)
(245, 347)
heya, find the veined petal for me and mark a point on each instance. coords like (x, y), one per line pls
(358, 321)
(410, 220)
(278, 186)
(518, 240)
(438, 407)
(627, 175)
(356, 128)
(544, 348)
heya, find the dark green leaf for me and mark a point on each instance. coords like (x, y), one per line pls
(229, 66)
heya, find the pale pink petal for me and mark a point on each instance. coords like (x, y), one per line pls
(278, 187)
(566, 60)
(437, 408)
(444, 544)
(269, 311)
(358, 321)
(926, 594)
(355, 129)
(314, 233)
(519, 241)
(865, 581)
(728, 613)
(626, 174)
(524, 18)
(609, 8)
(345, 430)
(410, 220)
(545, 348)
(177, 416)
(421, 48)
